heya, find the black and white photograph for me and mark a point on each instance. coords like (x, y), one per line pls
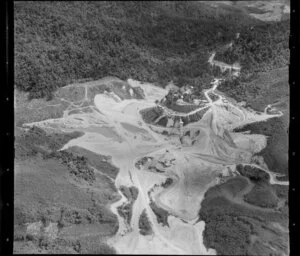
(151, 127)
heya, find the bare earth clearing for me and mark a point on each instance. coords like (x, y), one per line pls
(112, 125)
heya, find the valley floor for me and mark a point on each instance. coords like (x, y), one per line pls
(113, 126)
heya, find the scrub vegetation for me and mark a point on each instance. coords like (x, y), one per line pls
(255, 174)
(36, 141)
(125, 210)
(161, 214)
(275, 154)
(144, 224)
(100, 162)
(61, 196)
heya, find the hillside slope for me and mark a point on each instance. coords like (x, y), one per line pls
(61, 198)
(58, 42)
(78, 137)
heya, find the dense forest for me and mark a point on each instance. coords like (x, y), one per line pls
(59, 42)
(259, 89)
(275, 153)
(259, 48)
(233, 219)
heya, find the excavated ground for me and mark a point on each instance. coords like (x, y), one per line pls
(194, 156)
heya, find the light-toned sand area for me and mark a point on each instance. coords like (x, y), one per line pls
(115, 127)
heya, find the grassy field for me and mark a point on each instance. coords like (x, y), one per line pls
(48, 191)
(74, 98)
(45, 191)
(37, 109)
(273, 87)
